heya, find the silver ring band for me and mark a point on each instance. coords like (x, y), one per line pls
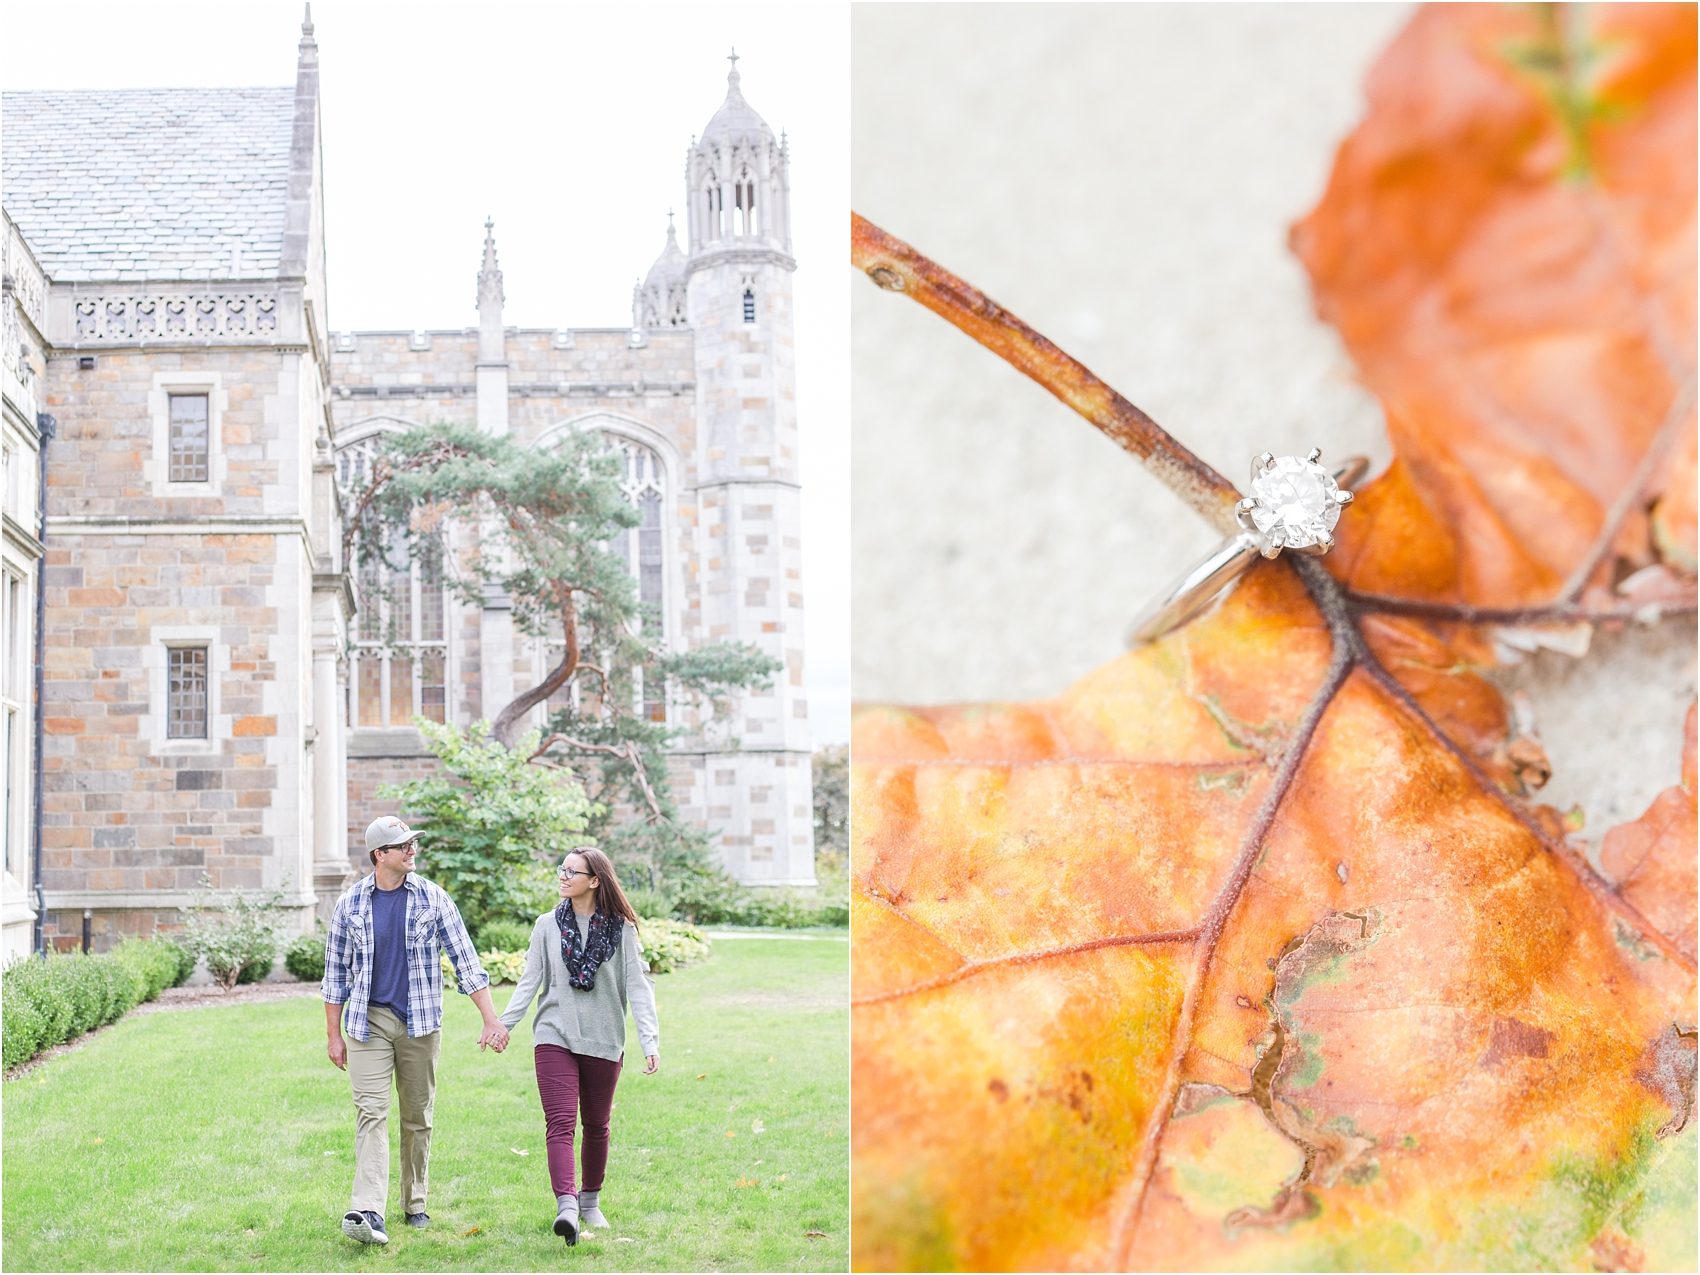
(1205, 580)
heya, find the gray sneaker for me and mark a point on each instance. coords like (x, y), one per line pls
(367, 1227)
(420, 1219)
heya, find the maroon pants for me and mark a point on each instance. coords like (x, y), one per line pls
(569, 1083)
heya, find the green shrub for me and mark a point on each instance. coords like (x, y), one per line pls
(502, 967)
(236, 935)
(154, 963)
(504, 936)
(24, 1027)
(186, 960)
(305, 957)
(669, 945)
(49, 1002)
(712, 902)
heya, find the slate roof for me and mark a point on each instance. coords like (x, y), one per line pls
(132, 184)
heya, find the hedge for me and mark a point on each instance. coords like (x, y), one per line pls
(46, 1003)
(667, 945)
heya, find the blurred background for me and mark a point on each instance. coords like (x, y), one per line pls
(1122, 177)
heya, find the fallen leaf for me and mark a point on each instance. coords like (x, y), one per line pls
(730, 1134)
(625, 1240)
(517, 1151)
(1652, 860)
(100, 1140)
(1298, 980)
(1516, 283)
(756, 1126)
(814, 1235)
(742, 1182)
(703, 1076)
(473, 1231)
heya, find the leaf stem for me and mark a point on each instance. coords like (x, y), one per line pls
(896, 267)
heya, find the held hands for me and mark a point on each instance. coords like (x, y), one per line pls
(495, 1037)
(650, 1063)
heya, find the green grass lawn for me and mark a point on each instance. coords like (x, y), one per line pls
(222, 1139)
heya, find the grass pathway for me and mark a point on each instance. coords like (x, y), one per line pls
(222, 1139)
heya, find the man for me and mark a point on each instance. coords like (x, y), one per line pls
(382, 959)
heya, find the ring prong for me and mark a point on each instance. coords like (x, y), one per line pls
(1271, 550)
(1247, 505)
(1326, 540)
(1343, 497)
(1315, 455)
(1262, 463)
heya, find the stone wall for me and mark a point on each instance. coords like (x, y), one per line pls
(365, 776)
(133, 818)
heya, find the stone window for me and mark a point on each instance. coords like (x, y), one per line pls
(190, 439)
(642, 479)
(714, 207)
(744, 202)
(401, 637)
(401, 644)
(187, 457)
(12, 740)
(186, 692)
(749, 305)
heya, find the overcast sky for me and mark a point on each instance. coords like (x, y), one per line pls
(566, 123)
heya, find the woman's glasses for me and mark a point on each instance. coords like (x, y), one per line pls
(567, 874)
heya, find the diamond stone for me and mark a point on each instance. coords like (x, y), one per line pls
(1296, 504)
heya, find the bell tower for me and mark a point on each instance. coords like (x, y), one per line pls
(738, 295)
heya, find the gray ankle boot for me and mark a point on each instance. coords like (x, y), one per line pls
(589, 1214)
(566, 1220)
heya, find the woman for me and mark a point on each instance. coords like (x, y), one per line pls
(585, 967)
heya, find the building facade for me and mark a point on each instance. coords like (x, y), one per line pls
(217, 706)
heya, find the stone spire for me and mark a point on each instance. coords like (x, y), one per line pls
(302, 196)
(492, 369)
(737, 178)
(491, 347)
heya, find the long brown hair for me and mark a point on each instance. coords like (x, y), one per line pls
(610, 898)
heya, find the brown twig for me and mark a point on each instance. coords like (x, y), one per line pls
(627, 751)
(896, 267)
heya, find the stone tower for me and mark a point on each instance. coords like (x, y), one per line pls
(738, 298)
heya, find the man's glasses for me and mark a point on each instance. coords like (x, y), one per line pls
(404, 848)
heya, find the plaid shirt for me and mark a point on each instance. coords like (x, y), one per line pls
(433, 924)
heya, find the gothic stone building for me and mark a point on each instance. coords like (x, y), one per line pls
(216, 702)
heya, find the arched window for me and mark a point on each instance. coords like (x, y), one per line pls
(744, 197)
(400, 649)
(642, 478)
(714, 204)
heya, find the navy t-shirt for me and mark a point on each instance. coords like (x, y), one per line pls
(389, 950)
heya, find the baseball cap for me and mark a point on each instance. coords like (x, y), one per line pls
(387, 830)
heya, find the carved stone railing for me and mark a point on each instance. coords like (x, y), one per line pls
(130, 317)
(28, 281)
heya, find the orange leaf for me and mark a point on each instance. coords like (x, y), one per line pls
(1416, 1017)
(1653, 859)
(1507, 245)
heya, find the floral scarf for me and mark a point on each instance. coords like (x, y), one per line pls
(583, 957)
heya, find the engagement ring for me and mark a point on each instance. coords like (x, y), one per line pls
(1294, 504)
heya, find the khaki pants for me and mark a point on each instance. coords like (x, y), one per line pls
(371, 1063)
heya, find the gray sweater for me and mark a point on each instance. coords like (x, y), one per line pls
(592, 1022)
